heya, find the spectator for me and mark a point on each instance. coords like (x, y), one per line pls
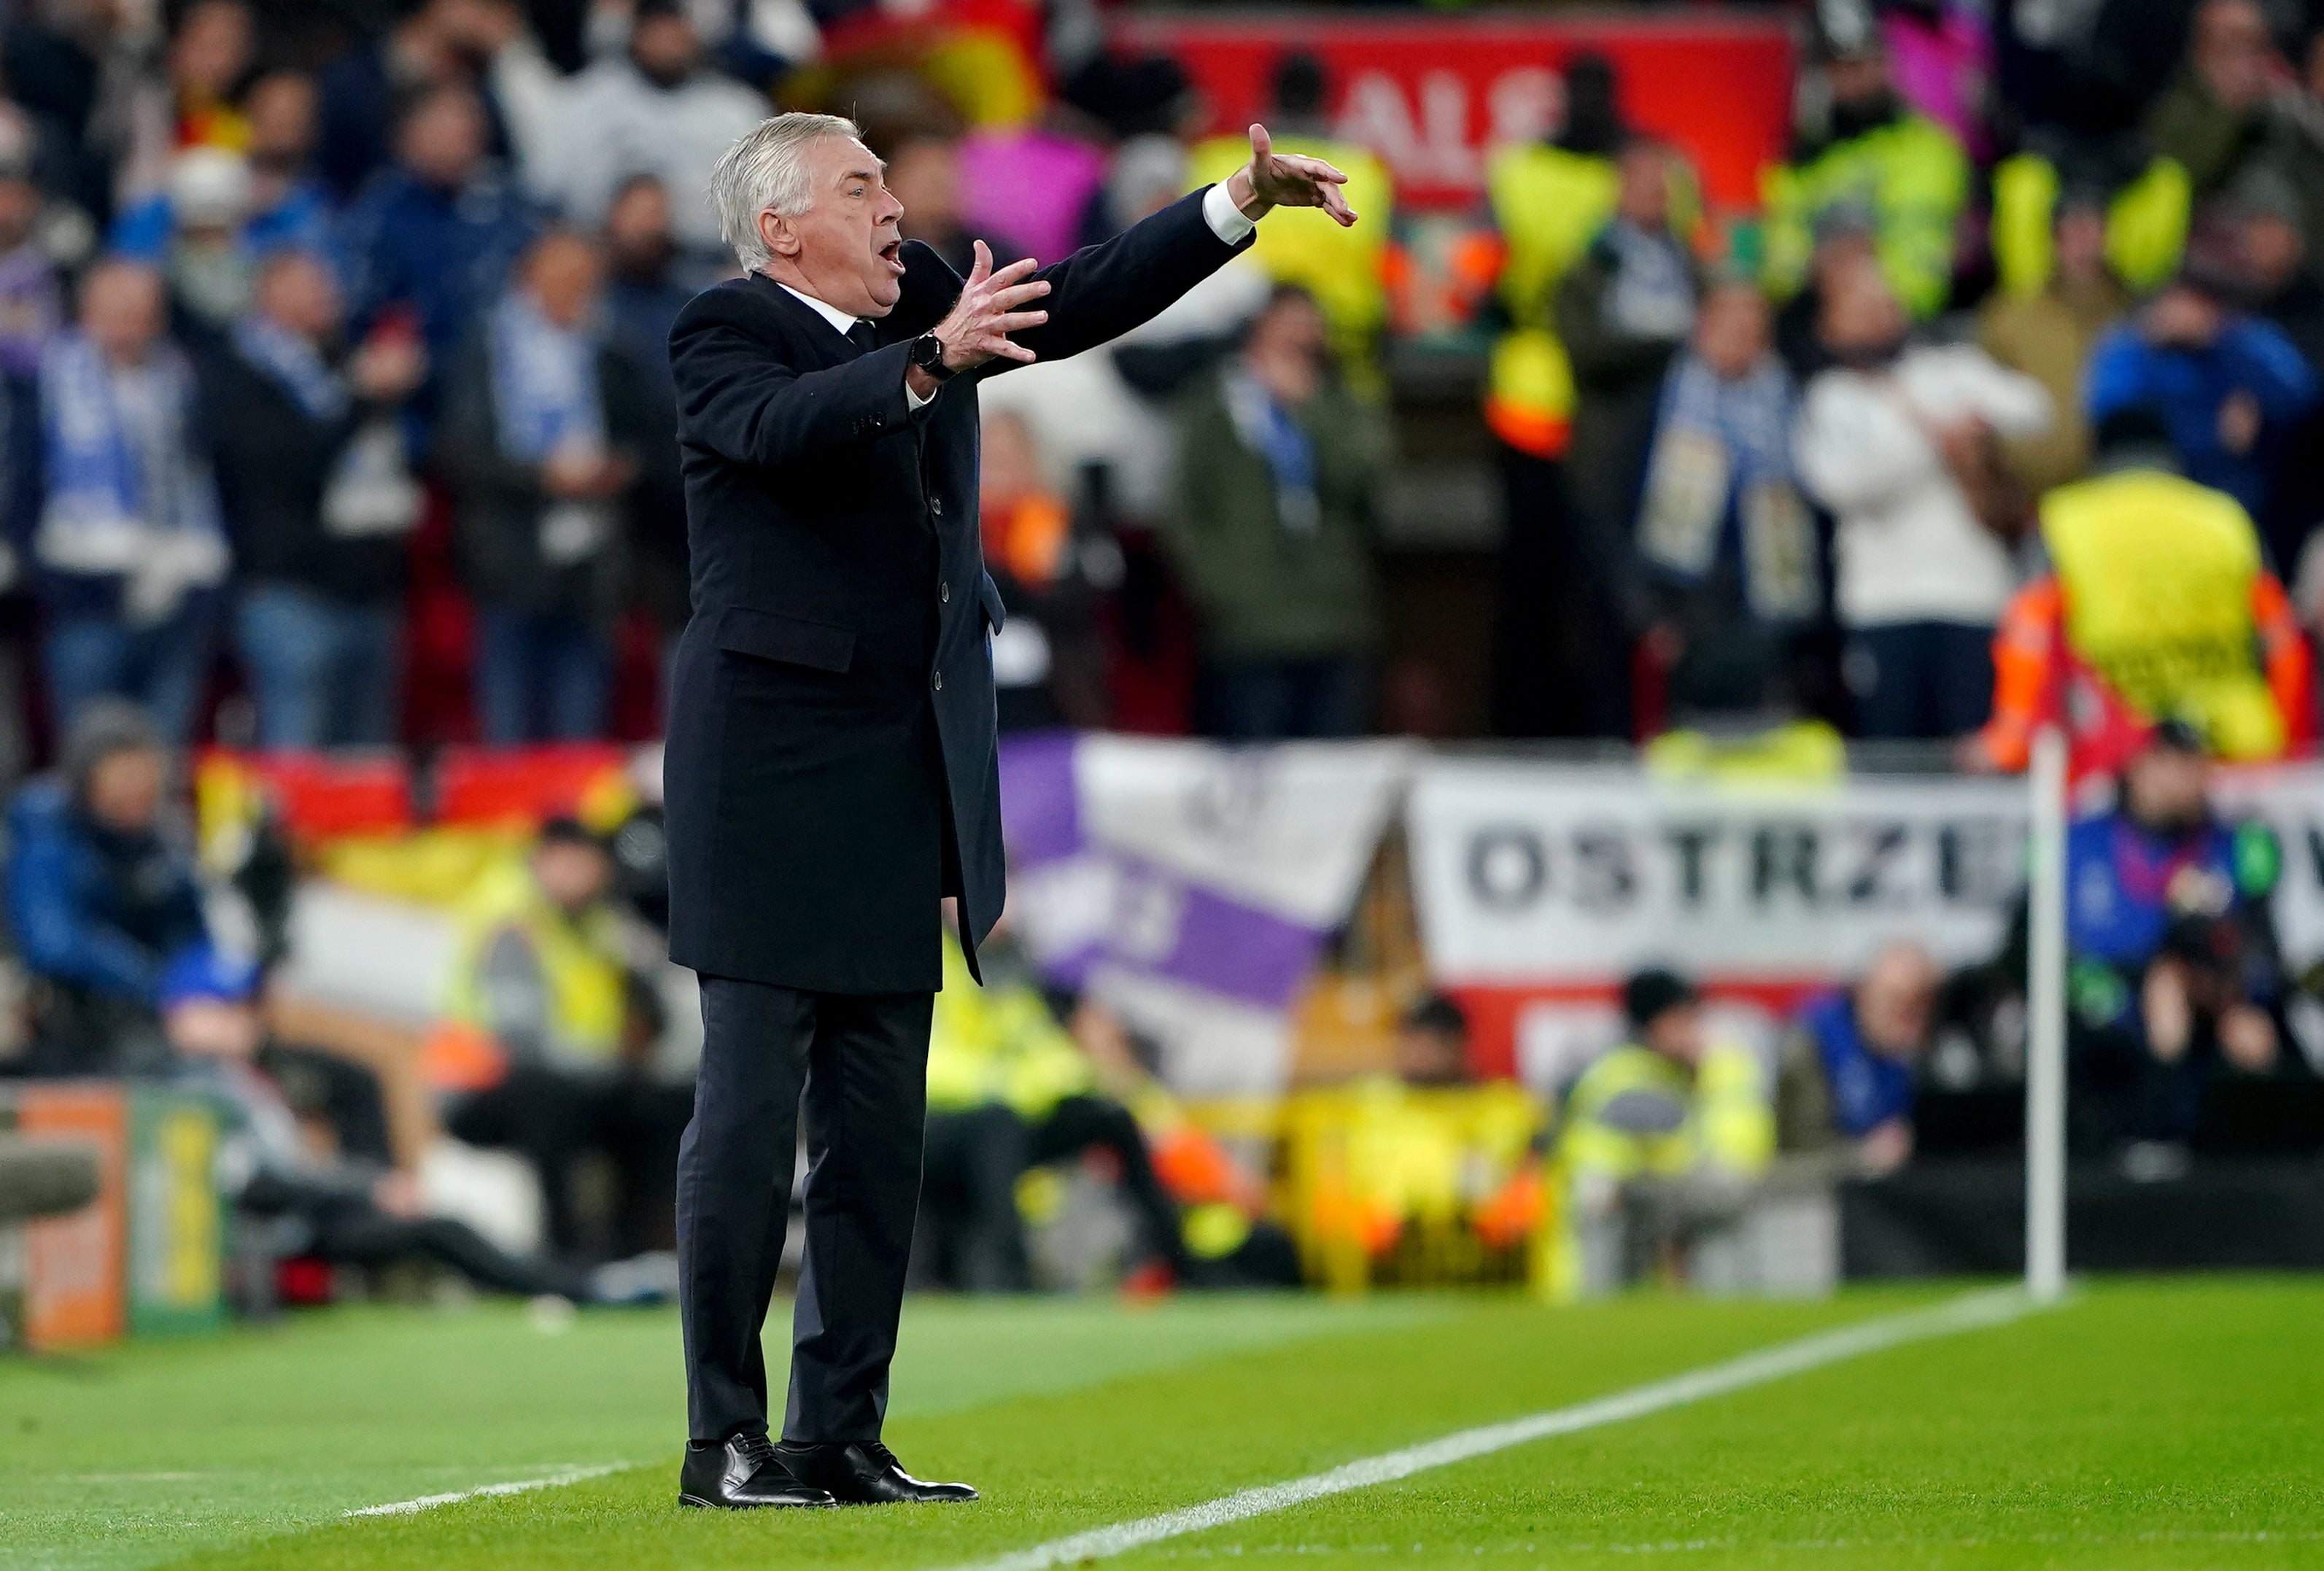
(1663, 1140)
(2157, 607)
(1429, 1167)
(437, 231)
(100, 899)
(1432, 1045)
(1548, 199)
(924, 174)
(1870, 149)
(52, 58)
(2230, 386)
(2173, 963)
(643, 291)
(2273, 259)
(1844, 236)
(2049, 335)
(1346, 270)
(278, 202)
(1010, 1091)
(189, 102)
(524, 94)
(1623, 312)
(1848, 1068)
(1028, 528)
(643, 295)
(539, 1055)
(320, 493)
(479, 44)
(130, 542)
(1272, 533)
(1891, 439)
(200, 251)
(340, 1209)
(543, 425)
(1942, 60)
(1727, 545)
(31, 300)
(2219, 119)
(654, 110)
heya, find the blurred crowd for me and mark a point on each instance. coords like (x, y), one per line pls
(338, 411)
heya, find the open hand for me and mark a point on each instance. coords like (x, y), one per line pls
(1287, 180)
(978, 326)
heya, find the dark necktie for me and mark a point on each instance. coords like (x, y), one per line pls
(864, 336)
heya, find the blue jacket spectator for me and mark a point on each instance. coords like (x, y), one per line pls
(2174, 967)
(438, 232)
(1849, 1070)
(101, 901)
(2229, 387)
(284, 207)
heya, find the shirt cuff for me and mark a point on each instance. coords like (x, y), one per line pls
(913, 402)
(1225, 219)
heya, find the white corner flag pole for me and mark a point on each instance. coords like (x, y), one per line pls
(2045, 1039)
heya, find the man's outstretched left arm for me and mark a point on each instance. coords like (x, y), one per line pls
(1103, 291)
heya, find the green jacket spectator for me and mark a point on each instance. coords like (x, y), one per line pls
(1271, 532)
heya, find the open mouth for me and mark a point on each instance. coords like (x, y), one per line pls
(892, 253)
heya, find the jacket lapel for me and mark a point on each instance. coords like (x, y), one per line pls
(826, 343)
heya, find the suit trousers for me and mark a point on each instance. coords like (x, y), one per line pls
(857, 1063)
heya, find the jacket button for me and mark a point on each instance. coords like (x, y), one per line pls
(943, 594)
(935, 506)
(936, 681)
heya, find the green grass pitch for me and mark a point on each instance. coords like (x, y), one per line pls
(2176, 1423)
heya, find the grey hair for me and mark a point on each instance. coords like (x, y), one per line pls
(766, 171)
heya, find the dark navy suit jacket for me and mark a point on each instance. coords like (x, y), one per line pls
(830, 769)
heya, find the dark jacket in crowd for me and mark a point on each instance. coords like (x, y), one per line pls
(274, 464)
(498, 501)
(97, 916)
(443, 253)
(831, 768)
(639, 314)
(1617, 377)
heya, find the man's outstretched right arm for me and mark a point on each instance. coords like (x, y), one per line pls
(737, 398)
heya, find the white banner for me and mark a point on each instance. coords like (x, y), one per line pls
(1543, 875)
(1548, 873)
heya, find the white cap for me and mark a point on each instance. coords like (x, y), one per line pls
(209, 188)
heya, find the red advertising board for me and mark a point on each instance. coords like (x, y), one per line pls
(1433, 94)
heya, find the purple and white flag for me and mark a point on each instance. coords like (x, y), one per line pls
(1190, 885)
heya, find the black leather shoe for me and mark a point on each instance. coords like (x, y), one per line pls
(742, 1475)
(864, 1474)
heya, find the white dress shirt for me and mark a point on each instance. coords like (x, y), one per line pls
(1219, 211)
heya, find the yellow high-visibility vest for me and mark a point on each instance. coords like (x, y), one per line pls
(580, 962)
(1548, 205)
(999, 1045)
(2145, 224)
(1910, 174)
(1726, 1122)
(2157, 574)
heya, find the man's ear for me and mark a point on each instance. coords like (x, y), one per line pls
(778, 234)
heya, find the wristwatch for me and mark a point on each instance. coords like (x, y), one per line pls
(927, 354)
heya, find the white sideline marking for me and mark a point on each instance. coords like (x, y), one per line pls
(522, 1486)
(1968, 1313)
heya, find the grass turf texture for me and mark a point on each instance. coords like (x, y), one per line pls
(2166, 1424)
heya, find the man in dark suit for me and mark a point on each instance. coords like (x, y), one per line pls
(830, 769)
